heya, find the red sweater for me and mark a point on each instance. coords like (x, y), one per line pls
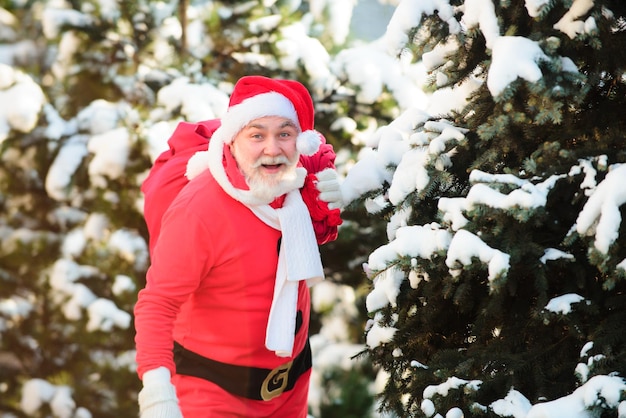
(211, 283)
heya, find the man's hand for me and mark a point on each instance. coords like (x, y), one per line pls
(158, 398)
(328, 186)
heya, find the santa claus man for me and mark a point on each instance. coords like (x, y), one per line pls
(222, 323)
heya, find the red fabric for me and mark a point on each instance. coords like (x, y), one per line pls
(211, 283)
(325, 220)
(166, 179)
(210, 287)
(294, 91)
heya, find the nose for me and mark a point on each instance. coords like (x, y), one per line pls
(272, 146)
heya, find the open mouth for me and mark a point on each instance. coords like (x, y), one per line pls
(272, 166)
(272, 169)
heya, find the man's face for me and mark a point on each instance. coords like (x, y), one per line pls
(265, 151)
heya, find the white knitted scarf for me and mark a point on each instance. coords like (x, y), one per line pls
(298, 257)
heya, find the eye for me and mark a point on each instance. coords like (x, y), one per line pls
(288, 132)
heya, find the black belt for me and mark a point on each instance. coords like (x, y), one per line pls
(249, 382)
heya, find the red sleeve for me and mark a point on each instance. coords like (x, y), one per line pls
(325, 220)
(181, 259)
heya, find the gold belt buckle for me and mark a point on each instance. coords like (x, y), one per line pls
(275, 382)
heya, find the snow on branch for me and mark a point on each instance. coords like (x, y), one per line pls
(432, 143)
(563, 304)
(452, 383)
(483, 14)
(465, 246)
(526, 195)
(601, 214)
(38, 392)
(513, 57)
(21, 102)
(569, 23)
(599, 391)
(378, 334)
(411, 241)
(74, 297)
(409, 14)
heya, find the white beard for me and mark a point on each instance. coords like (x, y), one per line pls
(269, 189)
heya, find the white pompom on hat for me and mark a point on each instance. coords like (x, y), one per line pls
(255, 97)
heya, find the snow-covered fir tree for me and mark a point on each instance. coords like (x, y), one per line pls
(501, 290)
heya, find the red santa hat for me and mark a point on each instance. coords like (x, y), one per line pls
(256, 96)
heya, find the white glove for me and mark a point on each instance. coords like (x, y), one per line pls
(329, 188)
(158, 398)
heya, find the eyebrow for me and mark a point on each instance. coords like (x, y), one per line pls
(288, 123)
(282, 125)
